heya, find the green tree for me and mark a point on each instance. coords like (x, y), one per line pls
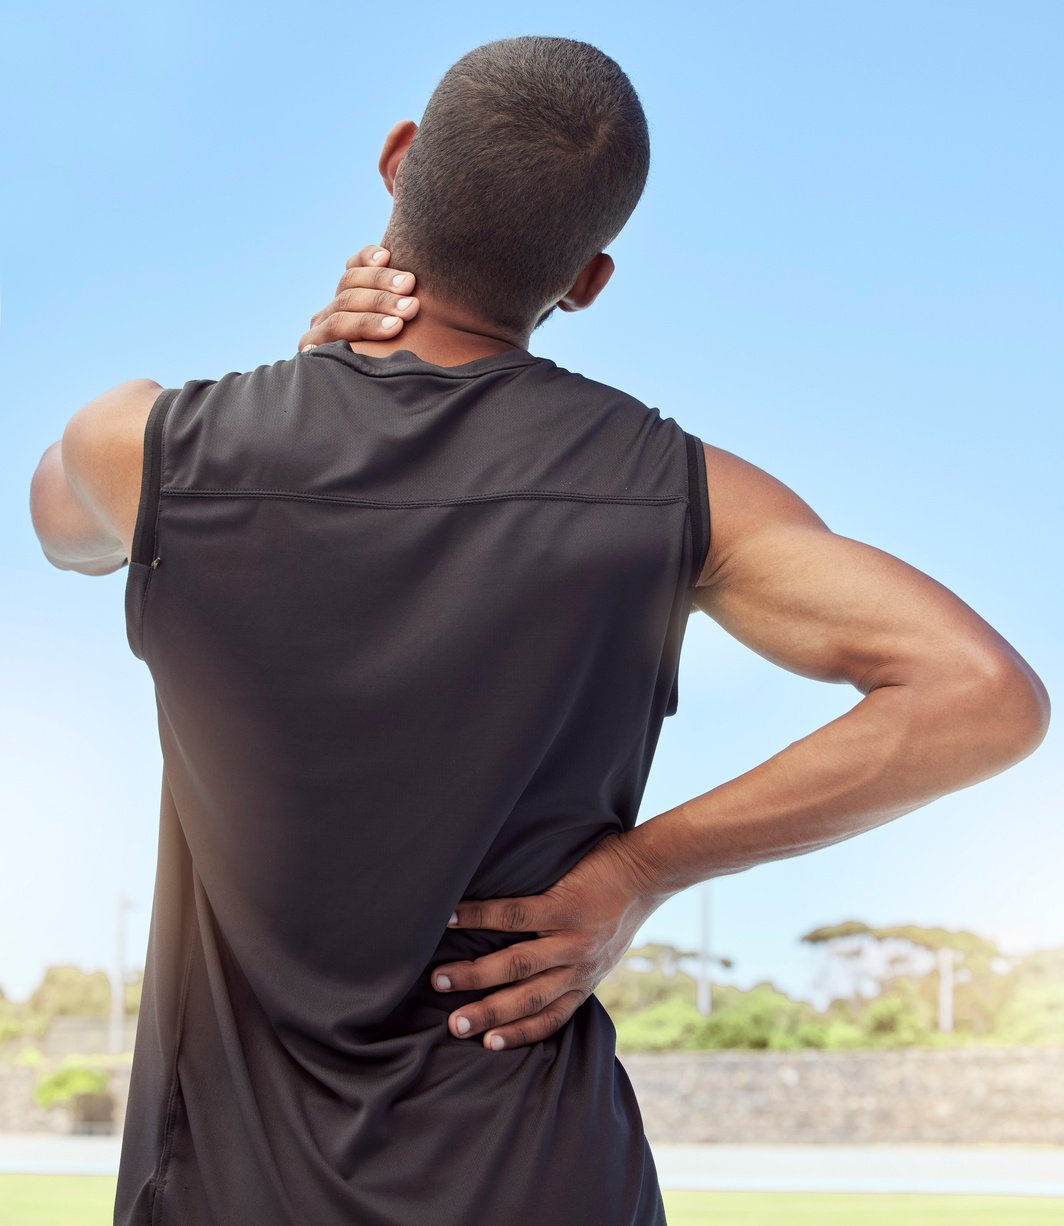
(647, 975)
(1034, 1015)
(961, 972)
(69, 991)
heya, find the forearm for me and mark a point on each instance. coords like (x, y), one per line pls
(896, 750)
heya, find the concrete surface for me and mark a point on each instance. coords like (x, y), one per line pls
(1004, 1170)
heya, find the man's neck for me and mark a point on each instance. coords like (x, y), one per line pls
(445, 336)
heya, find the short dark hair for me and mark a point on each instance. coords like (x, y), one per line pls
(530, 157)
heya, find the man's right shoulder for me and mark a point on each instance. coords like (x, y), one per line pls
(744, 500)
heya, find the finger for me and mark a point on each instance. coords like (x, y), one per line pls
(519, 961)
(536, 1026)
(533, 913)
(521, 1025)
(350, 326)
(391, 279)
(372, 253)
(372, 301)
(510, 1005)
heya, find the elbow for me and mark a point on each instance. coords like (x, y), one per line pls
(40, 485)
(1016, 706)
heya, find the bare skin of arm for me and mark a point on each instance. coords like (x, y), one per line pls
(946, 702)
(85, 492)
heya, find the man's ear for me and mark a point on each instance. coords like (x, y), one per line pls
(396, 143)
(589, 284)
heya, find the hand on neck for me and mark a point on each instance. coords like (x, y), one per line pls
(445, 335)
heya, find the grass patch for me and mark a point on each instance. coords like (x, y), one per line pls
(846, 1208)
(57, 1200)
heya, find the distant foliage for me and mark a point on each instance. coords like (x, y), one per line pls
(17, 1025)
(1034, 1015)
(652, 1000)
(66, 1083)
(68, 991)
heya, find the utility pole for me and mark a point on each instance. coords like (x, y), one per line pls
(705, 990)
(118, 978)
(946, 964)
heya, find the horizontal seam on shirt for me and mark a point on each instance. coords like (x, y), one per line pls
(423, 502)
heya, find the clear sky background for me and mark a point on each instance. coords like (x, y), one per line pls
(846, 268)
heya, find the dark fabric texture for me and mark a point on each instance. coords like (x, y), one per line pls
(413, 632)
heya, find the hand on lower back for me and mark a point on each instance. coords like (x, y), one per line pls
(370, 304)
(584, 924)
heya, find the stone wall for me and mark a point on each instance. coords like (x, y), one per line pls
(937, 1094)
(963, 1095)
(68, 1035)
(18, 1111)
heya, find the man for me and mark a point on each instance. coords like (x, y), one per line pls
(413, 601)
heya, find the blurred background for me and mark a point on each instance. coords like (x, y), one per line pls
(846, 268)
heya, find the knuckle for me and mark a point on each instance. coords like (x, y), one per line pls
(536, 1002)
(521, 966)
(355, 278)
(486, 1017)
(585, 969)
(330, 325)
(555, 1016)
(572, 1000)
(345, 300)
(515, 916)
(381, 301)
(563, 908)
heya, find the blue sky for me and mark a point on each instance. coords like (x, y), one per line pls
(846, 268)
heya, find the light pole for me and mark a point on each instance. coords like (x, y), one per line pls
(946, 964)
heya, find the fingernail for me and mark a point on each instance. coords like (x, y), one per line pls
(403, 303)
(497, 1042)
(401, 280)
(307, 347)
(454, 918)
(443, 982)
(390, 322)
(462, 1025)
(378, 256)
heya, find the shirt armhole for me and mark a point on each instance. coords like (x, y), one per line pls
(142, 556)
(697, 505)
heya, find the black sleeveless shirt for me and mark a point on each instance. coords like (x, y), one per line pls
(413, 632)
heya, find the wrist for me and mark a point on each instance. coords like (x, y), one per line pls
(647, 880)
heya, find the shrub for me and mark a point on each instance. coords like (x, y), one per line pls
(670, 1025)
(68, 1082)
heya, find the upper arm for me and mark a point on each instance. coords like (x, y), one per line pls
(85, 492)
(829, 607)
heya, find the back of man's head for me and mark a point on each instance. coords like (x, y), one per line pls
(530, 157)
